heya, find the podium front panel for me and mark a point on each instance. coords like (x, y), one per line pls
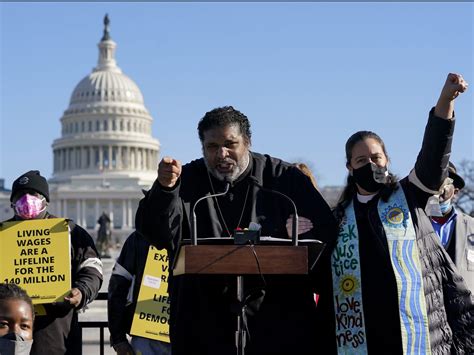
(241, 259)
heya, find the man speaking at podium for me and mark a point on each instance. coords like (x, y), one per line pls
(203, 318)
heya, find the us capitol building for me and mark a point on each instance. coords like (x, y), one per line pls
(106, 154)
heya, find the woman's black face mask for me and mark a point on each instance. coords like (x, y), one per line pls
(370, 177)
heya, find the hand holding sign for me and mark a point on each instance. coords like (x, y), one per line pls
(74, 297)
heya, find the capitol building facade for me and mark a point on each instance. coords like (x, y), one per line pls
(106, 154)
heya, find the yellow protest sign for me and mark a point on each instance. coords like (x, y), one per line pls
(35, 254)
(151, 317)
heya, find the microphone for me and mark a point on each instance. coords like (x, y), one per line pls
(294, 227)
(194, 221)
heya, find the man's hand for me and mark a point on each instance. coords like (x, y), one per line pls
(304, 225)
(454, 85)
(124, 348)
(169, 171)
(74, 297)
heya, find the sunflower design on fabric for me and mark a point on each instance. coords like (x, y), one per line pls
(349, 284)
(396, 216)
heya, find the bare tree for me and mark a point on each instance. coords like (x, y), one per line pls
(465, 199)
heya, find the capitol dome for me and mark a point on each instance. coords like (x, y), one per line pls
(106, 154)
(104, 86)
(106, 127)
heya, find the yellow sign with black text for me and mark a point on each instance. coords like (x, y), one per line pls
(35, 254)
(152, 314)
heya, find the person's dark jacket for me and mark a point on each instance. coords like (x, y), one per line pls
(448, 301)
(58, 332)
(202, 317)
(124, 286)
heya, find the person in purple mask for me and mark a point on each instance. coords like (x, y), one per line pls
(56, 329)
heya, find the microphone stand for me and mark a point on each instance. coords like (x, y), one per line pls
(295, 222)
(240, 339)
(194, 221)
(240, 334)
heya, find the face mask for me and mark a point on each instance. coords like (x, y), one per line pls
(370, 178)
(14, 344)
(29, 206)
(445, 206)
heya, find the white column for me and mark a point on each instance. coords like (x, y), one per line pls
(110, 148)
(65, 208)
(91, 157)
(129, 212)
(139, 158)
(101, 157)
(135, 160)
(127, 158)
(79, 157)
(123, 157)
(66, 158)
(111, 213)
(83, 212)
(124, 214)
(96, 210)
(73, 158)
(83, 157)
(118, 157)
(63, 159)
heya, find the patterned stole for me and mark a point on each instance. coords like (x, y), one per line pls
(346, 285)
(404, 255)
(400, 233)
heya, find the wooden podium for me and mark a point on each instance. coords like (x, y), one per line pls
(241, 260)
(247, 259)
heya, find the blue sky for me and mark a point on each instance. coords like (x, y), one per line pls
(307, 75)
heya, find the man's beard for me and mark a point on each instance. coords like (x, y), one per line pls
(238, 169)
